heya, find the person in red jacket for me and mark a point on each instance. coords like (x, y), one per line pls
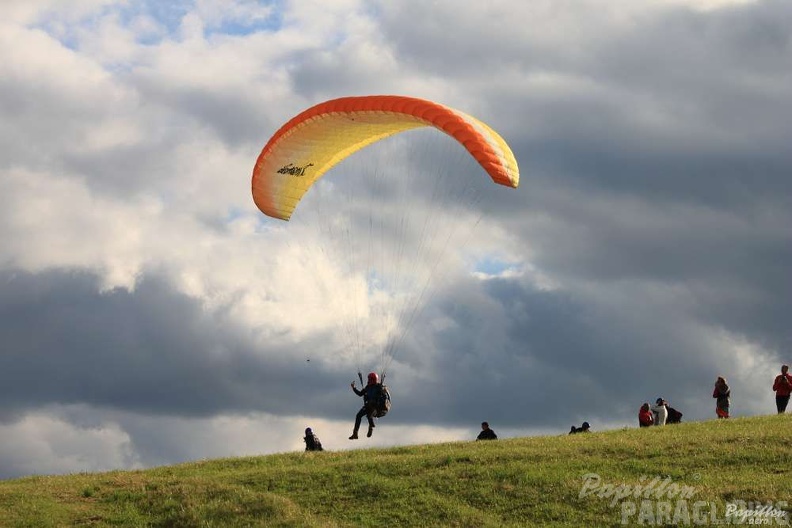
(782, 387)
(645, 417)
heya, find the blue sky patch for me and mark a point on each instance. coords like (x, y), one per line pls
(493, 266)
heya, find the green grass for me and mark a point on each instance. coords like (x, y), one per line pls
(513, 482)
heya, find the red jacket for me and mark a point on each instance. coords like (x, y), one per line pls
(781, 388)
(645, 418)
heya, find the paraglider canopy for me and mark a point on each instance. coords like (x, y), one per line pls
(387, 261)
(312, 142)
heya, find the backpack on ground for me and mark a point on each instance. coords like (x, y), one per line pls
(674, 416)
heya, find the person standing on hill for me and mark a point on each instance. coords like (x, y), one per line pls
(783, 388)
(723, 394)
(660, 412)
(486, 433)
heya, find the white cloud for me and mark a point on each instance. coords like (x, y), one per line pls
(53, 222)
(36, 11)
(652, 215)
(43, 443)
(709, 5)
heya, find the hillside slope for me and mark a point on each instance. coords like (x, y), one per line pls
(689, 475)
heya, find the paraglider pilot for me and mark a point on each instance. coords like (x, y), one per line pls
(370, 393)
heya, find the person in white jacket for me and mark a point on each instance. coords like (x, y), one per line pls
(660, 412)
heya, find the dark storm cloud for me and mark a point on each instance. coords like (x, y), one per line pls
(524, 357)
(152, 350)
(672, 86)
(656, 189)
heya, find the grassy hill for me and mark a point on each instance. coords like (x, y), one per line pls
(690, 473)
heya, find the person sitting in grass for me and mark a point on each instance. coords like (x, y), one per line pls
(645, 418)
(486, 433)
(312, 442)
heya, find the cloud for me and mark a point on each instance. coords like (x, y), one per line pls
(43, 443)
(165, 319)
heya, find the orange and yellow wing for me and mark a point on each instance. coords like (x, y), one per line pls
(312, 142)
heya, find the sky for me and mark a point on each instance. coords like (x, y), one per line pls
(150, 314)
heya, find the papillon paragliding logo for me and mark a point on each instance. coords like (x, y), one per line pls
(294, 170)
